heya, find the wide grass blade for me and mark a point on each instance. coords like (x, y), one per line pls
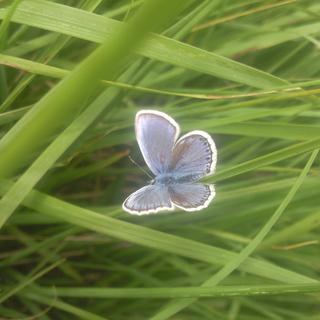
(59, 18)
(28, 281)
(57, 108)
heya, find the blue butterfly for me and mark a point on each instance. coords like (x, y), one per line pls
(176, 163)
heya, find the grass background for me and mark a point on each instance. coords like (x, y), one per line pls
(246, 72)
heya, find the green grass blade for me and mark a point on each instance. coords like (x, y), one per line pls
(59, 18)
(79, 313)
(28, 281)
(273, 157)
(311, 222)
(185, 292)
(52, 153)
(177, 305)
(6, 21)
(244, 71)
(57, 108)
(3, 39)
(53, 42)
(151, 238)
(269, 130)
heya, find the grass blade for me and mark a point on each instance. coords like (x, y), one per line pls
(151, 238)
(59, 18)
(177, 305)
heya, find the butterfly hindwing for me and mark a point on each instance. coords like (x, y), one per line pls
(191, 196)
(149, 199)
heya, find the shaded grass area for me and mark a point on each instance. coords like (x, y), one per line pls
(246, 72)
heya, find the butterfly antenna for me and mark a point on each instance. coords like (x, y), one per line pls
(138, 165)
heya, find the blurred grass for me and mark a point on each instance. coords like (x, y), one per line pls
(234, 69)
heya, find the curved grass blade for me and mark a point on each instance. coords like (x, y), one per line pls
(57, 108)
(67, 20)
(177, 305)
(150, 238)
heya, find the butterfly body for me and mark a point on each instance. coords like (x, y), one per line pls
(176, 163)
(172, 178)
(165, 179)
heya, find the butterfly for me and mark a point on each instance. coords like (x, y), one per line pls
(177, 165)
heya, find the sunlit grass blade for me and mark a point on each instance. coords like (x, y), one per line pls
(33, 67)
(159, 48)
(186, 292)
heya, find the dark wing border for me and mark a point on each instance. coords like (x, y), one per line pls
(205, 204)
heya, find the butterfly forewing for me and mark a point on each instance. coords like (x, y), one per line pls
(191, 196)
(194, 156)
(156, 134)
(149, 199)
